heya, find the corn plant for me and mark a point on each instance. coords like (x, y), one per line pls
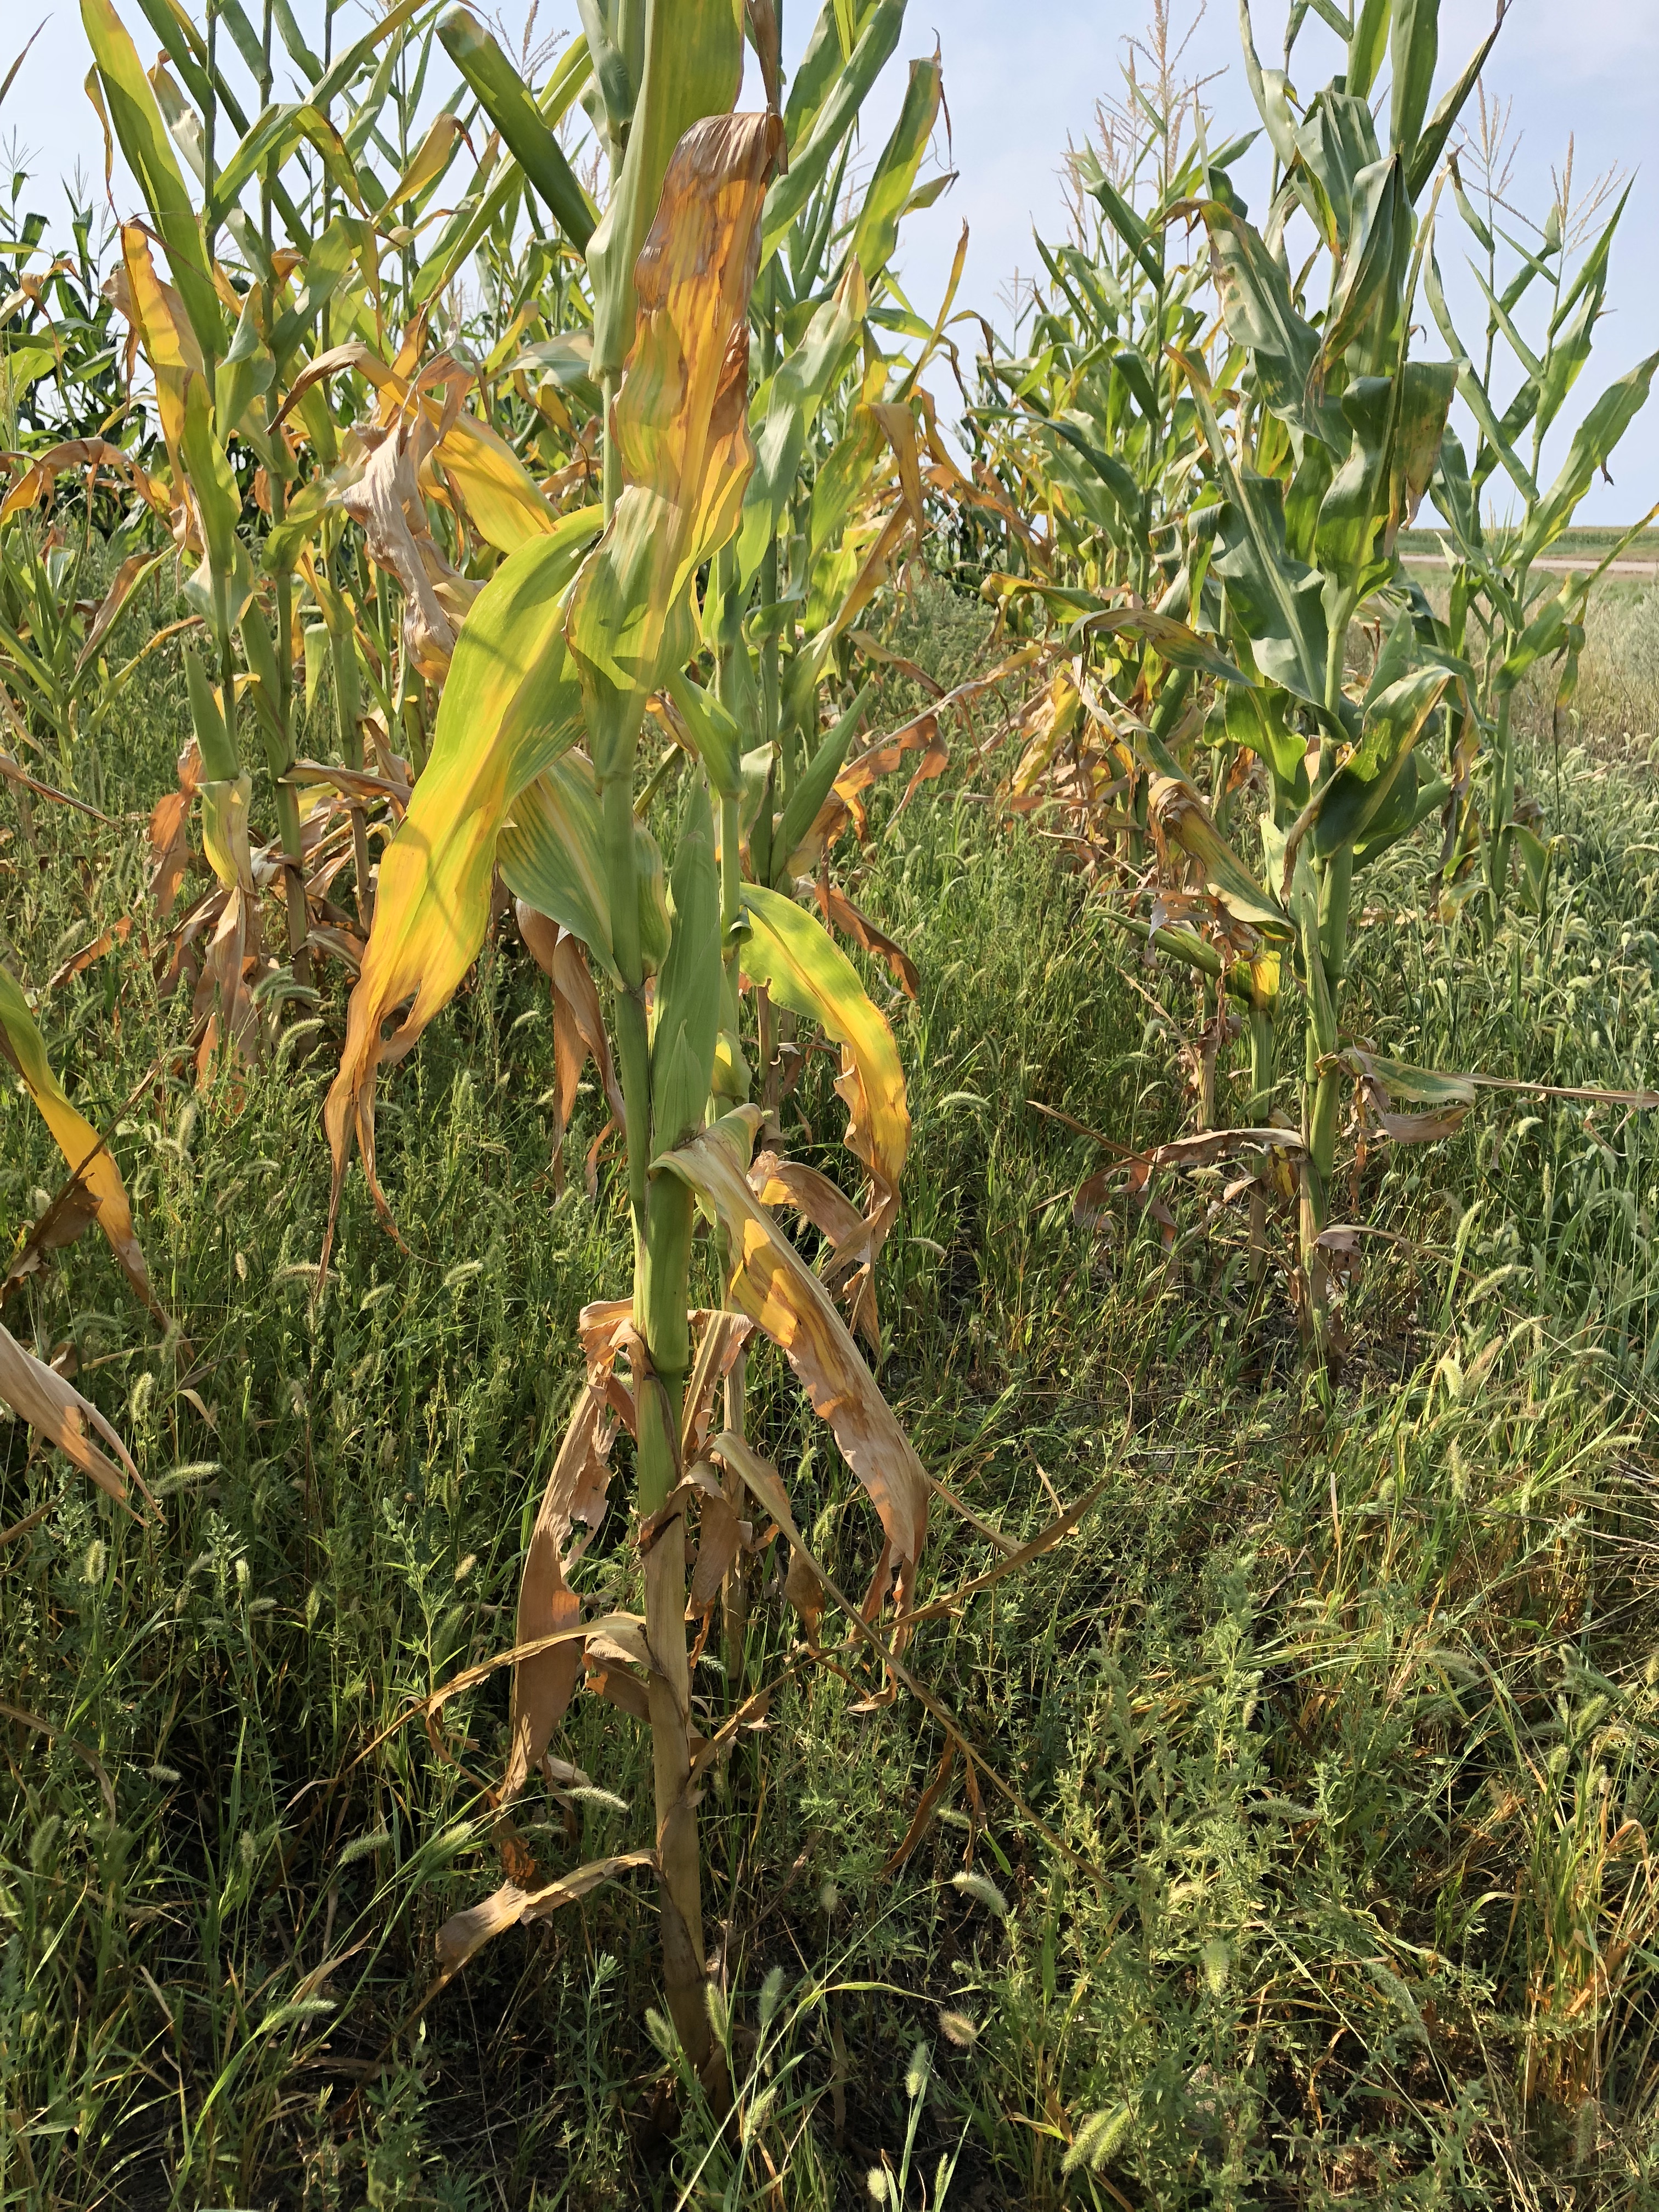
(1338, 435)
(1524, 615)
(1092, 428)
(533, 771)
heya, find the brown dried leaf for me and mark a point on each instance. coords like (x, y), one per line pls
(464, 1934)
(169, 831)
(578, 1025)
(577, 1489)
(724, 1336)
(926, 1806)
(839, 911)
(386, 501)
(51, 1406)
(719, 1539)
(772, 1283)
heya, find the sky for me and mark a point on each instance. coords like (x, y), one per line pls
(1018, 81)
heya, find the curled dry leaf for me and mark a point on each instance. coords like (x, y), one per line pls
(772, 1284)
(839, 911)
(577, 1489)
(37, 1395)
(36, 482)
(386, 502)
(723, 1337)
(169, 831)
(578, 1025)
(805, 1584)
(78, 963)
(464, 1934)
(90, 1161)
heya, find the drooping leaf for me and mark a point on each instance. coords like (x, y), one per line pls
(40, 1396)
(87, 1155)
(770, 1283)
(551, 853)
(511, 705)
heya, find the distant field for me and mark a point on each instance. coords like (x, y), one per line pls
(1586, 544)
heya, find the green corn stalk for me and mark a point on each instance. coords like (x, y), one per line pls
(1525, 615)
(1340, 432)
(569, 641)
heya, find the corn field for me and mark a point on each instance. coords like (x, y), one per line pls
(871, 1082)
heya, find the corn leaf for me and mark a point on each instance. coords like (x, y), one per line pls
(681, 424)
(773, 1285)
(510, 707)
(88, 1157)
(693, 68)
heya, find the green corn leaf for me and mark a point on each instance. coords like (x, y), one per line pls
(1274, 599)
(1371, 279)
(136, 121)
(1356, 794)
(690, 985)
(875, 233)
(693, 68)
(1259, 316)
(493, 188)
(785, 408)
(718, 738)
(219, 762)
(1127, 495)
(504, 97)
(1367, 46)
(1409, 804)
(1438, 130)
(812, 787)
(1337, 144)
(1592, 448)
(824, 103)
(1573, 322)
(611, 74)
(1473, 392)
(1415, 52)
(298, 51)
(1354, 509)
(1270, 90)
(551, 855)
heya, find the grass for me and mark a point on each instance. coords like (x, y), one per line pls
(1345, 1703)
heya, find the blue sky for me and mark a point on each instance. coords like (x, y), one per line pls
(1019, 79)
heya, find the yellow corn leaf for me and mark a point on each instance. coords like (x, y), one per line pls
(511, 705)
(156, 314)
(775, 1287)
(89, 1156)
(37, 1395)
(681, 421)
(502, 497)
(791, 953)
(430, 159)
